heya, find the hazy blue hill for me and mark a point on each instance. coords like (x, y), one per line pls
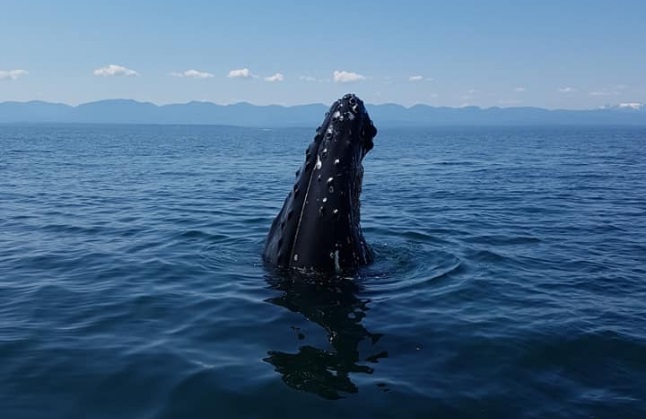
(34, 111)
(246, 114)
(117, 111)
(190, 113)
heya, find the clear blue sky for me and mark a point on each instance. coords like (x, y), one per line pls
(550, 53)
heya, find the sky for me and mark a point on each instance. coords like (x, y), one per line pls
(578, 54)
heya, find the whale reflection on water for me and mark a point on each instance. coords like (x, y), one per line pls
(334, 306)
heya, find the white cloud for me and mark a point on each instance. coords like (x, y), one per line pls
(275, 77)
(115, 70)
(347, 77)
(471, 93)
(12, 74)
(614, 91)
(520, 90)
(566, 90)
(631, 105)
(418, 77)
(307, 78)
(508, 102)
(193, 74)
(242, 73)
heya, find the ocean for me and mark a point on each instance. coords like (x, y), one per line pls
(509, 282)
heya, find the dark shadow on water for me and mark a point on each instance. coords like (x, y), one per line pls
(332, 304)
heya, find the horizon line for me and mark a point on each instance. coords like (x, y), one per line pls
(146, 102)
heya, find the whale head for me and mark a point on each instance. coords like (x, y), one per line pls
(318, 228)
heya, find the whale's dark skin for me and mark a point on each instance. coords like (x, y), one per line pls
(318, 229)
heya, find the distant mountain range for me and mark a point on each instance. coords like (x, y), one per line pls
(245, 114)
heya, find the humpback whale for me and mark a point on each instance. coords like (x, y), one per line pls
(318, 228)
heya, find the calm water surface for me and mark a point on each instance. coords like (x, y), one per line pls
(510, 279)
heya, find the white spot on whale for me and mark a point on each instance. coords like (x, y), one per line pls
(295, 258)
(319, 163)
(337, 265)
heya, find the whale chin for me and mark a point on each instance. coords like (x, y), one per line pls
(318, 228)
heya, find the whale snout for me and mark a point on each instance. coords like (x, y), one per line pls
(349, 119)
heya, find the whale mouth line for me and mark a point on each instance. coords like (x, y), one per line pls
(318, 228)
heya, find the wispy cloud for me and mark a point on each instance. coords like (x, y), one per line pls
(603, 93)
(347, 77)
(114, 70)
(631, 105)
(419, 77)
(612, 91)
(193, 74)
(508, 102)
(242, 73)
(12, 74)
(471, 93)
(307, 78)
(275, 77)
(520, 89)
(566, 89)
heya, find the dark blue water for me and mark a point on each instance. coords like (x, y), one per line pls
(510, 279)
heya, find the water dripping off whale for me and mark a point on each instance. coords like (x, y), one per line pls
(318, 228)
